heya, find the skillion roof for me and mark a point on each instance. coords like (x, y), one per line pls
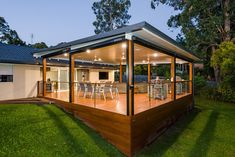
(143, 31)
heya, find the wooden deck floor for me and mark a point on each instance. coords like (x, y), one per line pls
(117, 105)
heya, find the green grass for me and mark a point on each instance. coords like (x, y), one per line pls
(208, 131)
(45, 131)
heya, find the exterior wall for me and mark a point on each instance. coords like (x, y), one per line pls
(54, 74)
(94, 75)
(24, 83)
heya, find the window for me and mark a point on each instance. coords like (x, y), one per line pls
(6, 73)
(103, 75)
(6, 78)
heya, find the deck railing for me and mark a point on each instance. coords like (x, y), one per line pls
(112, 96)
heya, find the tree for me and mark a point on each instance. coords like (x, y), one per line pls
(204, 25)
(8, 35)
(40, 45)
(110, 14)
(224, 58)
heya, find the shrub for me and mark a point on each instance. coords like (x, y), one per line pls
(199, 83)
(210, 92)
(226, 92)
(221, 93)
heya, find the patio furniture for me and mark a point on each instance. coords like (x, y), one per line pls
(186, 86)
(81, 88)
(179, 88)
(115, 90)
(105, 89)
(89, 89)
(160, 91)
(49, 87)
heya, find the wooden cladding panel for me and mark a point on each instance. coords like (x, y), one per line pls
(115, 128)
(155, 121)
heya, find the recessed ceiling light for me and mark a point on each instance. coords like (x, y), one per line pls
(99, 59)
(88, 51)
(123, 45)
(143, 61)
(155, 54)
(65, 54)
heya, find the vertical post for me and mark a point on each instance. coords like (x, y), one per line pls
(130, 77)
(190, 78)
(149, 72)
(71, 77)
(193, 85)
(120, 71)
(173, 78)
(38, 88)
(44, 77)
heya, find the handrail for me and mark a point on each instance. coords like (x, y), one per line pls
(99, 83)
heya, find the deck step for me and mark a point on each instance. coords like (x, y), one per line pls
(38, 101)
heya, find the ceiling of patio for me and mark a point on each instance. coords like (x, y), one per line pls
(116, 54)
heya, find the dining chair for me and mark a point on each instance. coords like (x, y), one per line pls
(89, 89)
(179, 88)
(81, 88)
(105, 89)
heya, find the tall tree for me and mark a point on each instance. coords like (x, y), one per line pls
(110, 14)
(204, 24)
(40, 45)
(8, 35)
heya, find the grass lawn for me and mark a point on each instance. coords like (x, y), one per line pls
(208, 131)
(45, 131)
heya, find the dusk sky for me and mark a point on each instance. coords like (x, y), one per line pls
(55, 21)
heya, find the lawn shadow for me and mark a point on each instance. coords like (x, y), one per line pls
(100, 142)
(96, 138)
(76, 147)
(164, 142)
(203, 141)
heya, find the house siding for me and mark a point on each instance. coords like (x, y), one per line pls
(24, 83)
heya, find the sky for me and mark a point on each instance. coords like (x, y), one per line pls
(55, 21)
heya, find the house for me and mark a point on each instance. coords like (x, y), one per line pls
(19, 72)
(100, 84)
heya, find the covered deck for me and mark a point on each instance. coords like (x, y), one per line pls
(115, 105)
(120, 80)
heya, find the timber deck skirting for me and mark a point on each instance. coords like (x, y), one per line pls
(127, 132)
